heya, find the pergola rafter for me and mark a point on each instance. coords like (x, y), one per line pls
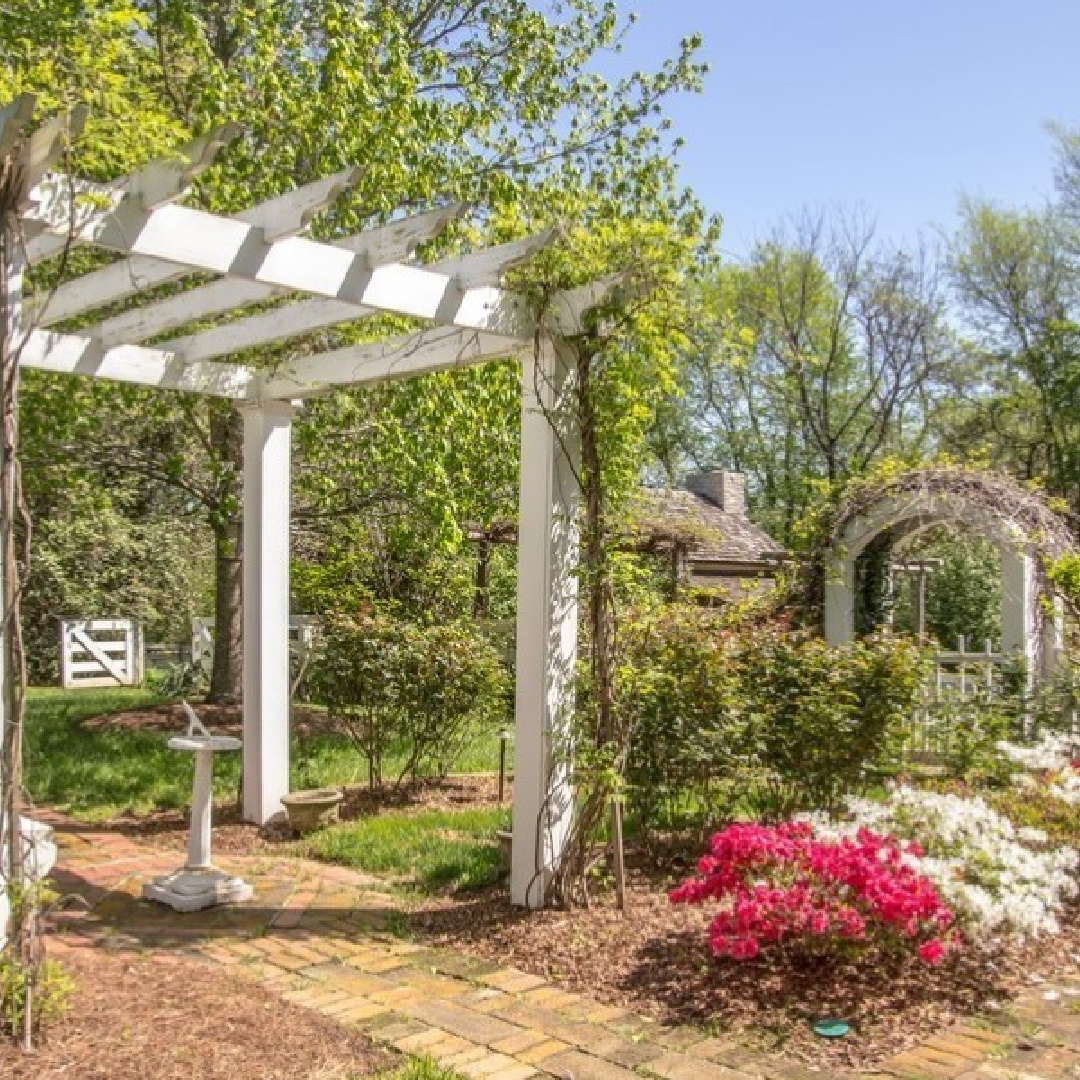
(177, 342)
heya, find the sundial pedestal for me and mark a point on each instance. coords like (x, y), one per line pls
(200, 884)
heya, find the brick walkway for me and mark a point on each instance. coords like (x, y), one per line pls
(320, 936)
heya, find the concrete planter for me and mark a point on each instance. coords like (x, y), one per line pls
(505, 838)
(313, 809)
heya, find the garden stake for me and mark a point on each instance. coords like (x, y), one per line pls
(503, 736)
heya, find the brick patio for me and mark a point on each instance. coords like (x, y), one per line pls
(321, 937)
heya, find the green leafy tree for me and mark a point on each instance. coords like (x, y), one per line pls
(813, 358)
(1018, 283)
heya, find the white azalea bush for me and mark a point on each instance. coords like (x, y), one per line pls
(998, 879)
(1051, 754)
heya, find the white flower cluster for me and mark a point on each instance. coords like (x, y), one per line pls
(1066, 788)
(989, 872)
(1051, 753)
(1050, 758)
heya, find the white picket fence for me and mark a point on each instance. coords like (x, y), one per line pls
(303, 630)
(101, 652)
(963, 683)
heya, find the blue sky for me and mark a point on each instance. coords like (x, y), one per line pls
(895, 106)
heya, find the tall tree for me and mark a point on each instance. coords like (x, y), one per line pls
(1017, 279)
(816, 356)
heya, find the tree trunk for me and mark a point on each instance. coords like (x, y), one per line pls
(226, 677)
(482, 586)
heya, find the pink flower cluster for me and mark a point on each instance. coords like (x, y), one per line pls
(780, 883)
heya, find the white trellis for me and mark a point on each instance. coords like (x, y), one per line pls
(1025, 633)
(260, 255)
(100, 652)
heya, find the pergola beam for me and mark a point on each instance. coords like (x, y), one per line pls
(45, 145)
(440, 349)
(206, 242)
(386, 244)
(69, 205)
(282, 216)
(13, 120)
(471, 271)
(77, 354)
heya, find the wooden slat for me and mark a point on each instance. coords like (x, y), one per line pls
(105, 661)
(475, 270)
(439, 349)
(280, 216)
(206, 242)
(92, 667)
(76, 354)
(387, 244)
(94, 625)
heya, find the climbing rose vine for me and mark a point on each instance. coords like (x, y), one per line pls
(780, 883)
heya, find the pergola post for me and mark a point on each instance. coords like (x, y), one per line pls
(547, 619)
(267, 447)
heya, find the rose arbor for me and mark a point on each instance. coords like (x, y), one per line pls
(260, 255)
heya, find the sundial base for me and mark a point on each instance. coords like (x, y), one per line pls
(194, 890)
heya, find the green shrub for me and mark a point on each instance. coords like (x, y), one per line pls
(755, 717)
(421, 691)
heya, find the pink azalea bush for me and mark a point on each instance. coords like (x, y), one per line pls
(778, 883)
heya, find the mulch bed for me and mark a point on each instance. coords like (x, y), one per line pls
(654, 960)
(232, 836)
(220, 719)
(137, 1016)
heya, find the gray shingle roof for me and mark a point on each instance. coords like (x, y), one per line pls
(711, 534)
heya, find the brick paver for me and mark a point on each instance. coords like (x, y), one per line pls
(316, 935)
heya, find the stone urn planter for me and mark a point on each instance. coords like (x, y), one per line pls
(312, 809)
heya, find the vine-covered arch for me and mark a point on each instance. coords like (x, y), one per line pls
(1027, 532)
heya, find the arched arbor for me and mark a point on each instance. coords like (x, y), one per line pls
(261, 255)
(1022, 527)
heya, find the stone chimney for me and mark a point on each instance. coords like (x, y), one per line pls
(726, 489)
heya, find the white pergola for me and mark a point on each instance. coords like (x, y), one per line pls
(259, 255)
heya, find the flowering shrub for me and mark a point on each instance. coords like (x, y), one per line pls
(995, 877)
(1052, 753)
(781, 883)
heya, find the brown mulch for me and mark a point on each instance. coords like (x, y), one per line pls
(220, 719)
(232, 836)
(138, 1016)
(654, 960)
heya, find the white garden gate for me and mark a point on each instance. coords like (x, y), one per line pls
(101, 652)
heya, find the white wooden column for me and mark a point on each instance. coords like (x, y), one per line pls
(547, 620)
(839, 606)
(267, 445)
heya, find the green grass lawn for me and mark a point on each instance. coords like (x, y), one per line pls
(433, 849)
(98, 774)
